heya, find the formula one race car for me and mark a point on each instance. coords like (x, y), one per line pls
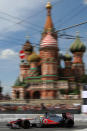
(66, 120)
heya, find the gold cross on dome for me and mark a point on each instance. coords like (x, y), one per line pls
(27, 37)
(77, 33)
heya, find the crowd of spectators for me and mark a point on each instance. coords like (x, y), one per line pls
(49, 107)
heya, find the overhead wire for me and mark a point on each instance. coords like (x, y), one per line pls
(20, 20)
(72, 26)
(73, 16)
(68, 13)
(26, 19)
(58, 30)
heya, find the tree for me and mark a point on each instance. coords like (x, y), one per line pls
(83, 79)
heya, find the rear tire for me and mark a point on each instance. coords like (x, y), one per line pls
(26, 124)
(69, 123)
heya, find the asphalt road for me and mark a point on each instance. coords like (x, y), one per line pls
(79, 126)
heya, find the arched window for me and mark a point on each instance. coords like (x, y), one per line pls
(17, 94)
(27, 95)
(36, 95)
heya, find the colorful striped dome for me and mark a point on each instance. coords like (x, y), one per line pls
(77, 46)
(48, 41)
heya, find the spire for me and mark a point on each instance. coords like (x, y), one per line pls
(77, 33)
(27, 38)
(49, 23)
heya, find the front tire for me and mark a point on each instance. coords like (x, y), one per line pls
(19, 122)
(11, 126)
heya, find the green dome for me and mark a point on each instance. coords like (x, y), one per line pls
(77, 46)
(33, 58)
(67, 57)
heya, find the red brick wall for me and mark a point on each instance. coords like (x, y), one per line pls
(77, 57)
(49, 68)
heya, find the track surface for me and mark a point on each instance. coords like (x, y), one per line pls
(79, 126)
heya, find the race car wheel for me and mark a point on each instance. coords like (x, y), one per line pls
(11, 126)
(38, 125)
(14, 126)
(69, 123)
(26, 124)
(19, 122)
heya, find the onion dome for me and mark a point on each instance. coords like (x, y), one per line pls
(27, 47)
(67, 57)
(77, 46)
(48, 41)
(33, 57)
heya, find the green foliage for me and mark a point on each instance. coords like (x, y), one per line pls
(70, 91)
(63, 91)
(75, 91)
(83, 79)
(19, 83)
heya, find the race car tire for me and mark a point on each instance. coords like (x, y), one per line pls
(69, 123)
(26, 124)
(19, 122)
(11, 126)
(38, 125)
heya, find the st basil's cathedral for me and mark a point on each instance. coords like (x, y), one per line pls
(41, 75)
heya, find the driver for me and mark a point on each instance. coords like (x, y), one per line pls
(64, 116)
(46, 114)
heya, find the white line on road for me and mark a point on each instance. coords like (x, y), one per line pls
(81, 129)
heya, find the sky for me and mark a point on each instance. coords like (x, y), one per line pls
(21, 18)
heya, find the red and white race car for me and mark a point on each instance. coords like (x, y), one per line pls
(66, 120)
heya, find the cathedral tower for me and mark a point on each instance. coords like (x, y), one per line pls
(49, 49)
(24, 66)
(78, 49)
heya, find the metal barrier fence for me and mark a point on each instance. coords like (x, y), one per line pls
(57, 111)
